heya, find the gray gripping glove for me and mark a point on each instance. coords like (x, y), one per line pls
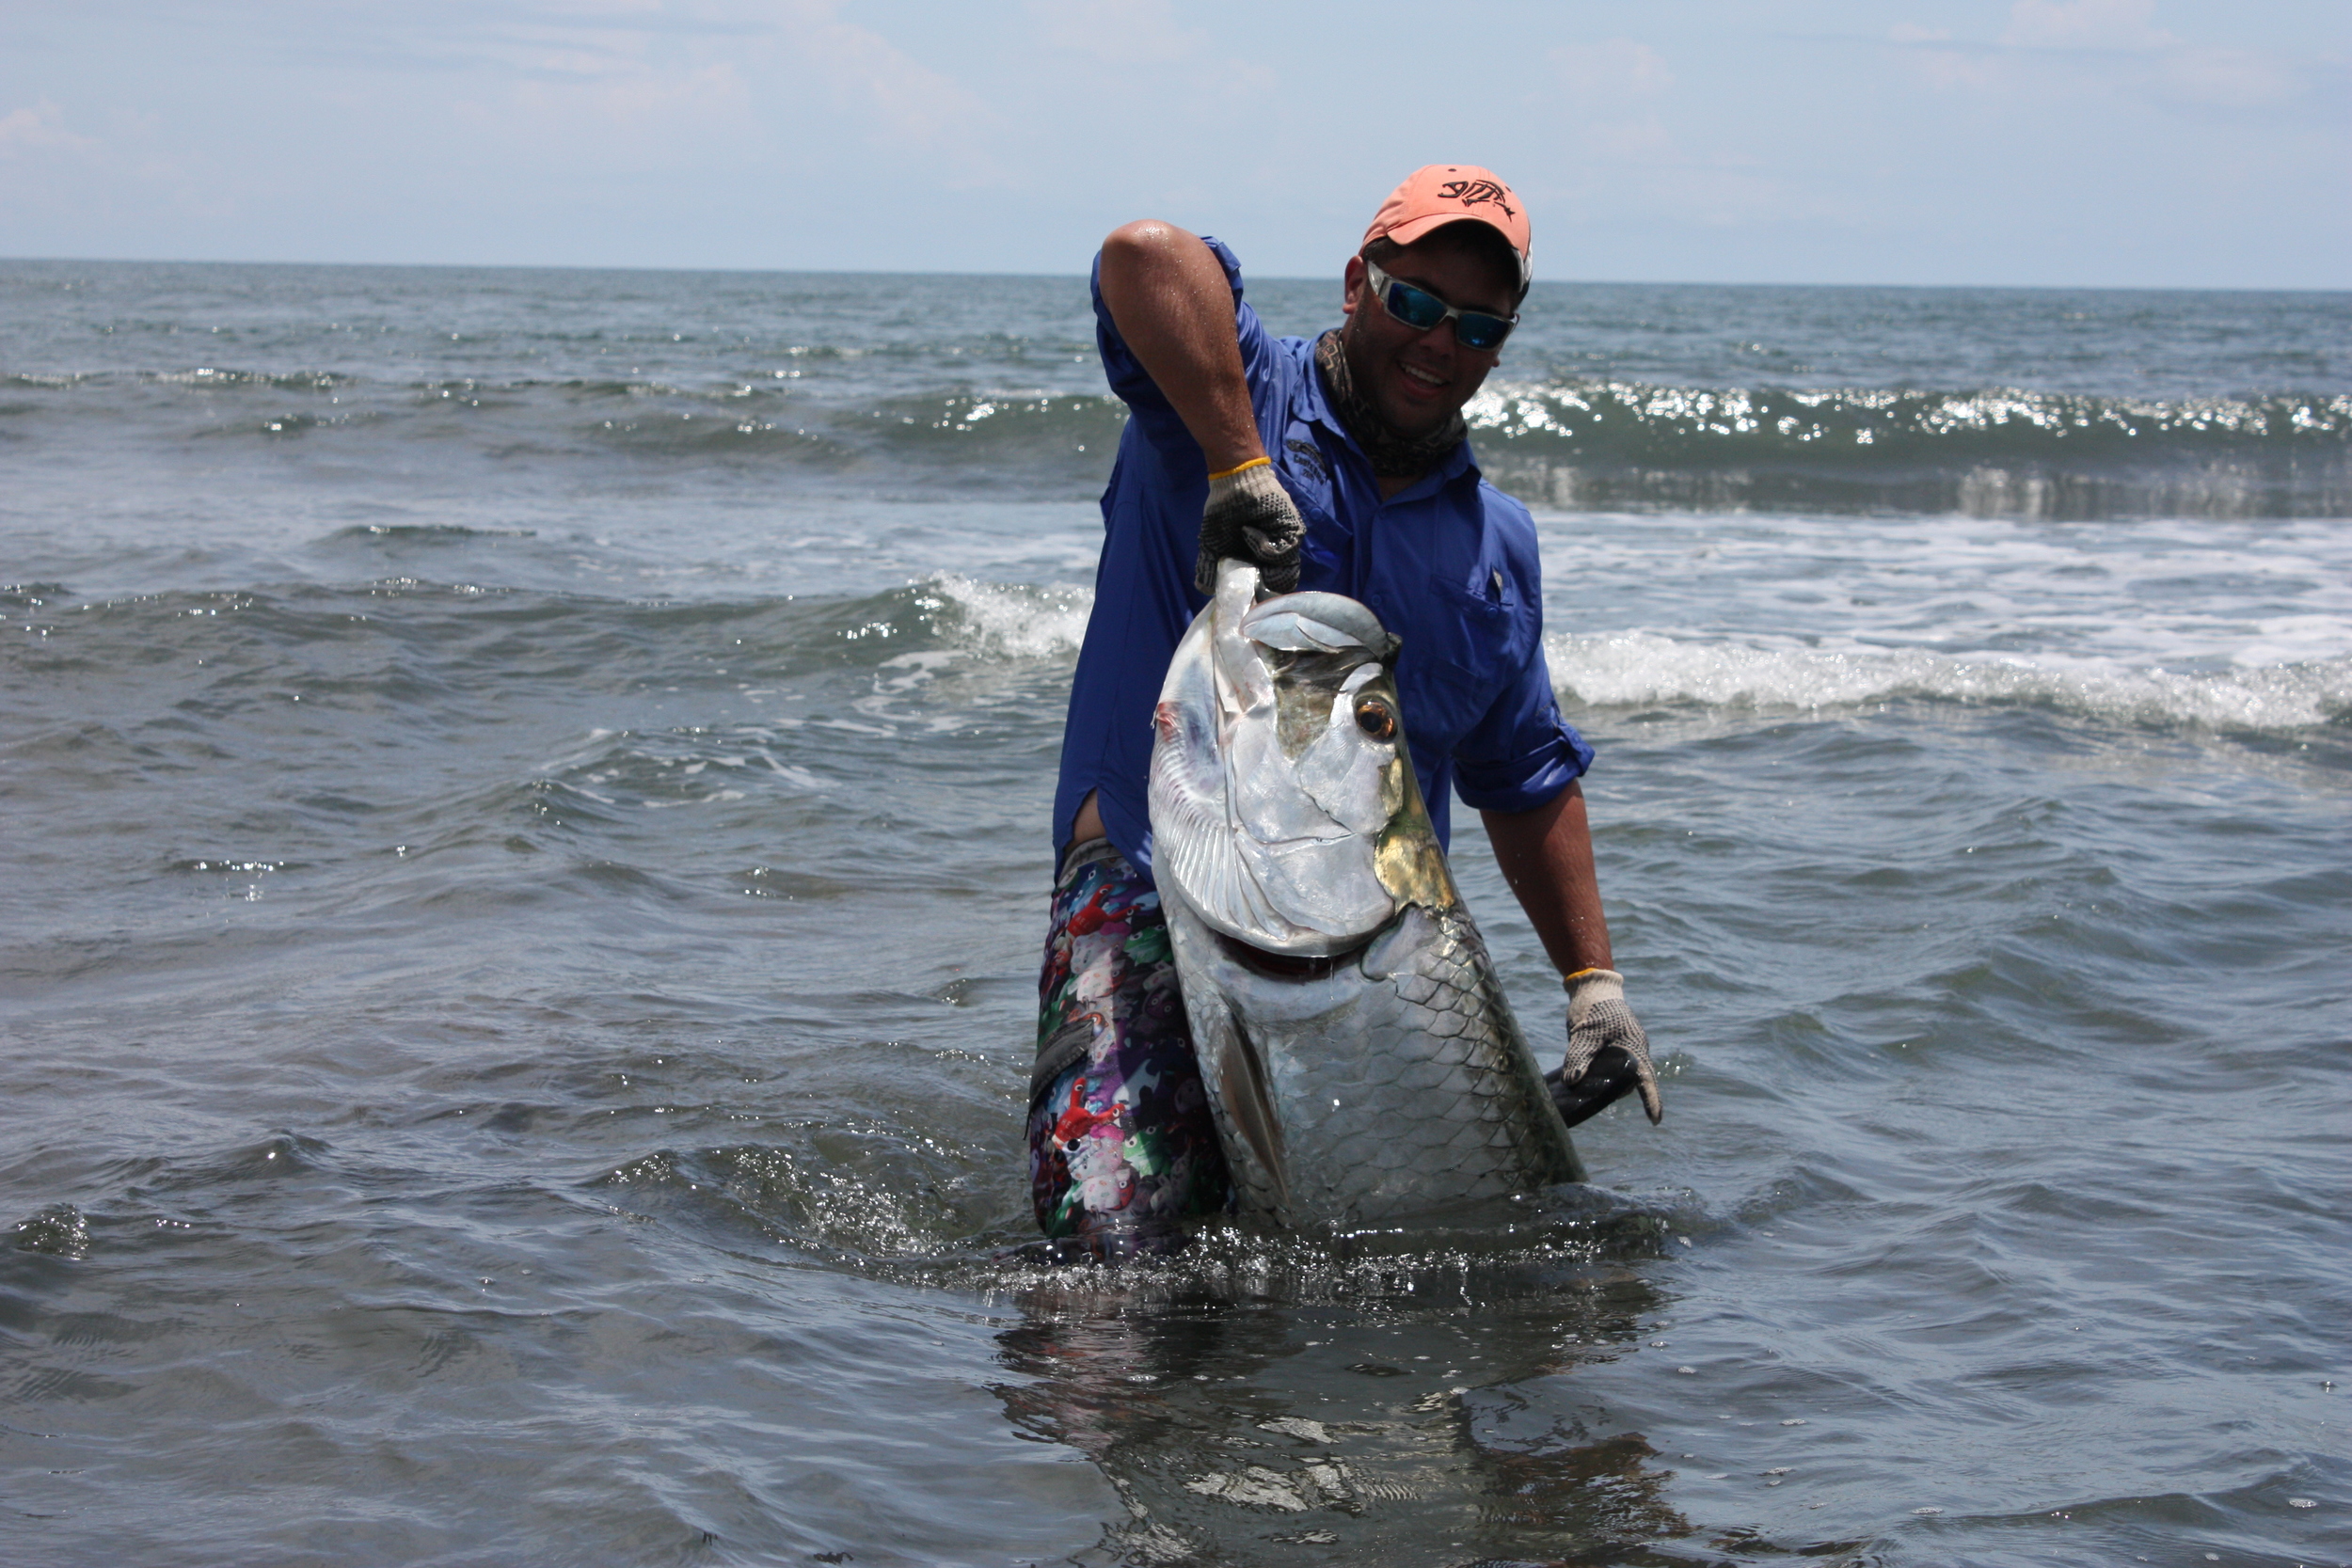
(1608, 1053)
(1250, 517)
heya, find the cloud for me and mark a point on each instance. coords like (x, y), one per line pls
(603, 90)
(2085, 25)
(908, 104)
(642, 100)
(1609, 92)
(2231, 78)
(1616, 72)
(1627, 147)
(702, 62)
(2113, 45)
(1947, 67)
(1115, 32)
(732, 81)
(39, 128)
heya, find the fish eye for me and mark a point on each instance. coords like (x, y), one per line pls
(1377, 721)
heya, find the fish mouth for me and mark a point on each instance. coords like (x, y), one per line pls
(1289, 966)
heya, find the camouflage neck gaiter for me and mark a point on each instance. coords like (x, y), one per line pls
(1393, 456)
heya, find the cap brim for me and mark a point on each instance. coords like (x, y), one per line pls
(1414, 230)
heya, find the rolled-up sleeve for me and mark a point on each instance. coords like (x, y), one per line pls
(1522, 753)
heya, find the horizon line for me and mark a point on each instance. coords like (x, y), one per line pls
(1080, 275)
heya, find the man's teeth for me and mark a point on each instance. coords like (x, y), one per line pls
(1423, 376)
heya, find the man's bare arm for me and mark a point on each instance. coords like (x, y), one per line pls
(1174, 307)
(1546, 857)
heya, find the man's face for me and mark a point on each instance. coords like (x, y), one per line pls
(1417, 381)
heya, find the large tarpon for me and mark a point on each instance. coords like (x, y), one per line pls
(1355, 1045)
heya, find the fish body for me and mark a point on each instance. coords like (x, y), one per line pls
(1356, 1047)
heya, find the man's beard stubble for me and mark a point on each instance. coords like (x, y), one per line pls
(1393, 453)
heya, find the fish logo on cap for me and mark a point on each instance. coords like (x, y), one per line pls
(1470, 193)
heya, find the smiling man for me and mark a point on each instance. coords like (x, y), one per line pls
(1340, 464)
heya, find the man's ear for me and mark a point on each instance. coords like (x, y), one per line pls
(1352, 281)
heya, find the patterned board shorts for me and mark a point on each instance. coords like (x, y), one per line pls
(1122, 1147)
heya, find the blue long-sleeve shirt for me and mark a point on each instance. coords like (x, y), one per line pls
(1449, 564)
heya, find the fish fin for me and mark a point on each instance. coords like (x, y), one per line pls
(1249, 1108)
(1331, 623)
(1297, 633)
(1392, 951)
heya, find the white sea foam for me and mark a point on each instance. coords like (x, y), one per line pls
(1010, 622)
(2213, 624)
(1645, 669)
(2192, 624)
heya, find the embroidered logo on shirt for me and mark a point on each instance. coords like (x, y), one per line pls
(1471, 193)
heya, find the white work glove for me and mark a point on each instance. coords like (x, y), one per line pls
(1608, 1053)
(1250, 517)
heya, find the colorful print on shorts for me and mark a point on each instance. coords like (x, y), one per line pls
(1121, 1138)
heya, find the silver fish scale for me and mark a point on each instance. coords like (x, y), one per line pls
(1348, 1098)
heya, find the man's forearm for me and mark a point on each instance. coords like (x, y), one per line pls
(1175, 309)
(1546, 857)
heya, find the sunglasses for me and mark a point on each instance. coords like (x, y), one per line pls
(1420, 310)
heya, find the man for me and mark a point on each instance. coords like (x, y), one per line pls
(1339, 464)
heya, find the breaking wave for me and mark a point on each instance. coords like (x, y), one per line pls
(1615, 445)
(1637, 669)
(1003, 620)
(1580, 445)
(1644, 670)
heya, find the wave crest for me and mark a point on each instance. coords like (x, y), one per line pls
(1645, 669)
(1009, 622)
(2001, 451)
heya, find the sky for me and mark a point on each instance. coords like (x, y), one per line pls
(2075, 143)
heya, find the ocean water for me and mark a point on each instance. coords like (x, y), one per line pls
(523, 834)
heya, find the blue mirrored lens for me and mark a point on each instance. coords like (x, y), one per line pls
(1472, 330)
(1413, 307)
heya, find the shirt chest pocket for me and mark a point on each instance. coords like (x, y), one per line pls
(1306, 473)
(1463, 659)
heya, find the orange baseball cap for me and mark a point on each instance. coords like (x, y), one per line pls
(1448, 193)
